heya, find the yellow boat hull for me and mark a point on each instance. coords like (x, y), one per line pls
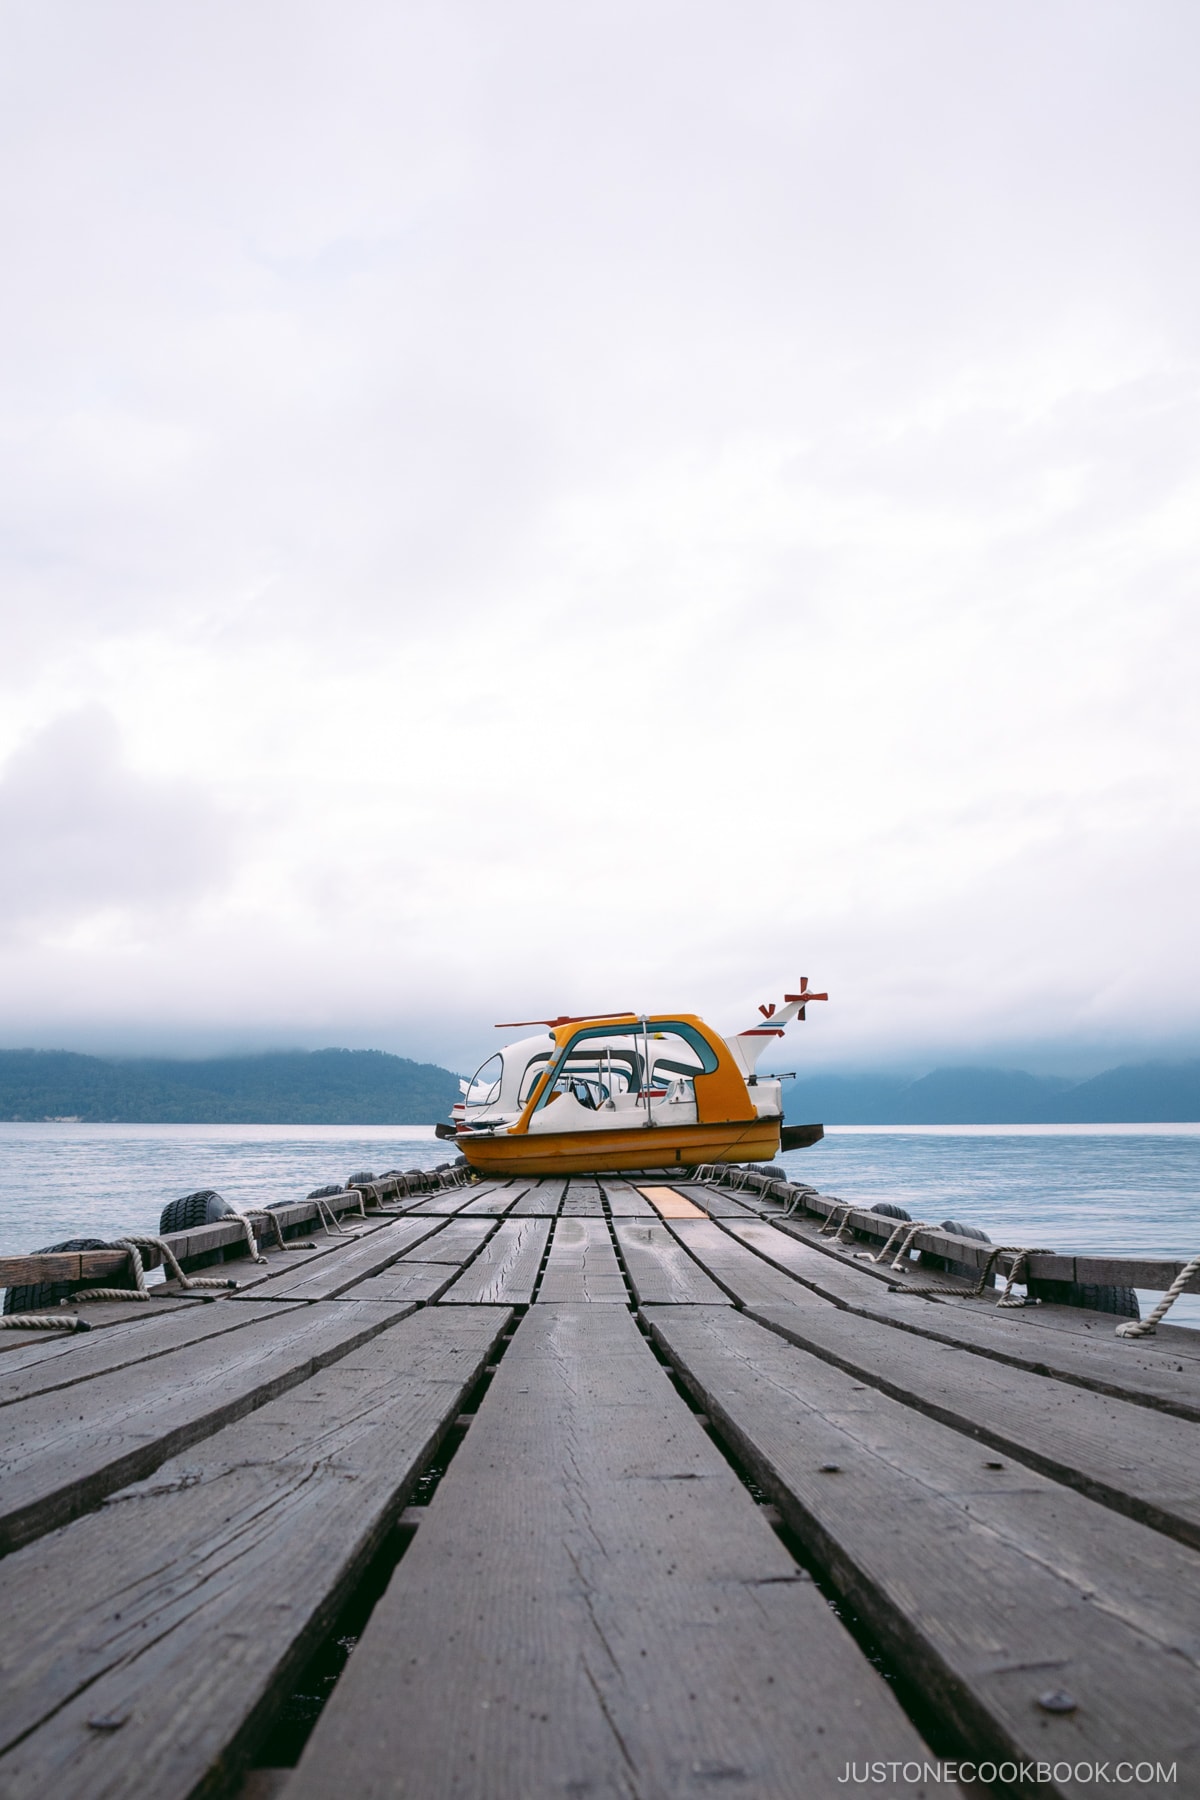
(641, 1147)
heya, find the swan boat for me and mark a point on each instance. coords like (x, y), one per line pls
(628, 1091)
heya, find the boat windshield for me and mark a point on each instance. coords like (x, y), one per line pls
(483, 1089)
(630, 1063)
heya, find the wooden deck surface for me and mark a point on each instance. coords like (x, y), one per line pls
(659, 1500)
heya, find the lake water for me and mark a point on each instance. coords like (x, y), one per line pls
(1113, 1188)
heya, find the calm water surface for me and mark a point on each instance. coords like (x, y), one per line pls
(61, 1181)
(1113, 1188)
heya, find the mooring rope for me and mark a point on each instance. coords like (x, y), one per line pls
(135, 1246)
(1022, 1253)
(909, 1226)
(42, 1322)
(251, 1241)
(1136, 1328)
(281, 1242)
(835, 1227)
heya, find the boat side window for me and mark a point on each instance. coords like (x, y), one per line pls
(531, 1077)
(483, 1089)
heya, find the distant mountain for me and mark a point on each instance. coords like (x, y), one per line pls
(370, 1087)
(1136, 1093)
(288, 1087)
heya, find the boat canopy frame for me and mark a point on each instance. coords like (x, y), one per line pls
(709, 1057)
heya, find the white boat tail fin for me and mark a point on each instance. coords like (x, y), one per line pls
(747, 1046)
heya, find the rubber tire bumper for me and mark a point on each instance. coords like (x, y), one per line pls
(202, 1208)
(38, 1296)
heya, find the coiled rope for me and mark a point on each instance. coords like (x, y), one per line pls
(1136, 1328)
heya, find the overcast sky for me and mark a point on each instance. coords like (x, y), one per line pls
(526, 508)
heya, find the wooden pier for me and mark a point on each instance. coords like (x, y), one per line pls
(628, 1489)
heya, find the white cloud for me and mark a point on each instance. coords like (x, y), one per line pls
(91, 845)
(604, 504)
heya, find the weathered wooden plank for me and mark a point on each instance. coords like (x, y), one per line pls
(594, 1606)
(506, 1269)
(1082, 1322)
(582, 1264)
(670, 1203)
(446, 1205)
(582, 1199)
(154, 1332)
(456, 1242)
(742, 1274)
(988, 1584)
(493, 1198)
(165, 1302)
(62, 1265)
(659, 1268)
(331, 1275)
(404, 1281)
(188, 1602)
(61, 1452)
(540, 1201)
(624, 1201)
(1139, 1461)
(1133, 1369)
(299, 1253)
(718, 1203)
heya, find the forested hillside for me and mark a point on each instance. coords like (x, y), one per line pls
(1136, 1093)
(289, 1087)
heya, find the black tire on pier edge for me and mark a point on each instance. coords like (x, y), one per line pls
(362, 1175)
(772, 1171)
(1122, 1301)
(37, 1296)
(946, 1262)
(889, 1211)
(321, 1193)
(202, 1208)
